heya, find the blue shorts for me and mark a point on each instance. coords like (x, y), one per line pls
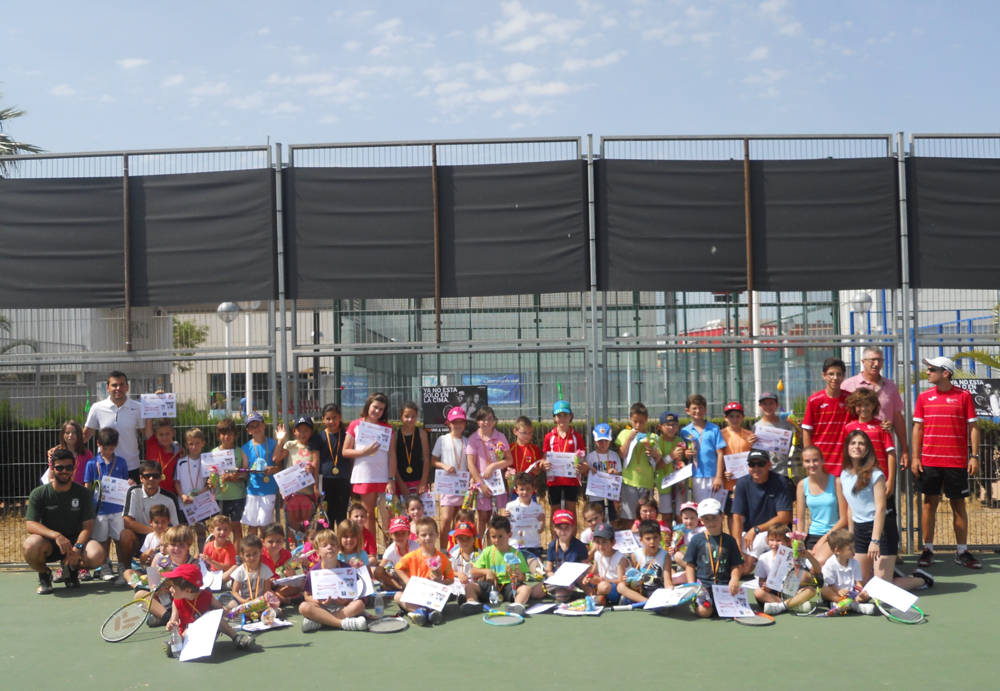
(614, 597)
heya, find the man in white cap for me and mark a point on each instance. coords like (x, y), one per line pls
(944, 430)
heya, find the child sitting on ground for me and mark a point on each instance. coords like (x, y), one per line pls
(527, 516)
(689, 526)
(564, 548)
(593, 513)
(609, 566)
(712, 557)
(414, 512)
(651, 563)
(842, 575)
(464, 516)
(152, 545)
(425, 562)
(775, 601)
(318, 612)
(504, 568)
(190, 601)
(220, 551)
(277, 558)
(357, 513)
(252, 578)
(464, 553)
(178, 540)
(402, 544)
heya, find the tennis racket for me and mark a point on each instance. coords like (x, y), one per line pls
(627, 608)
(759, 619)
(388, 625)
(496, 617)
(127, 618)
(913, 615)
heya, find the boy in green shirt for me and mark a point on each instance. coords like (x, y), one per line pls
(671, 448)
(637, 469)
(504, 568)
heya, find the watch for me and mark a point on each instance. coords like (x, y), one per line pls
(79, 546)
(976, 456)
(874, 541)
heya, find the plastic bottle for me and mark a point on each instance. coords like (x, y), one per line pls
(176, 643)
(379, 604)
(494, 598)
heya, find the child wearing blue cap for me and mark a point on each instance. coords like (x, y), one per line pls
(603, 459)
(563, 438)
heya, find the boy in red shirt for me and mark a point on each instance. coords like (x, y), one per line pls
(163, 448)
(190, 602)
(826, 415)
(563, 438)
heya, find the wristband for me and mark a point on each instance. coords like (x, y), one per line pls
(976, 456)
(874, 541)
(79, 546)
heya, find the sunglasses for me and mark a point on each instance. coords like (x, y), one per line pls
(151, 476)
(62, 468)
(935, 369)
(757, 464)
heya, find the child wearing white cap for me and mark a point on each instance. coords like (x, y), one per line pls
(603, 459)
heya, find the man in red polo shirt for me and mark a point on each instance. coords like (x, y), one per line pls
(944, 423)
(826, 415)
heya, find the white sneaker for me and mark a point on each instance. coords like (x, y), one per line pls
(308, 625)
(774, 607)
(516, 608)
(864, 608)
(354, 624)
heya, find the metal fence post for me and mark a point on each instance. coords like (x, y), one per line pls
(907, 333)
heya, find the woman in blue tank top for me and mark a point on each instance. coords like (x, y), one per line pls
(821, 493)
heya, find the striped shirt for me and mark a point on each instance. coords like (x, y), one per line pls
(945, 417)
(825, 419)
(881, 440)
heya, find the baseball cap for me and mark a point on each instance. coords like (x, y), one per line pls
(768, 395)
(465, 528)
(604, 530)
(689, 505)
(187, 572)
(602, 431)
(942, 362)
(399, 523)
(668, 416)
(561, 406)
(456, 413)
(253, 417)
(733, 405)
(758, 455)
(304, 421)
(563, 516)
(709, 507)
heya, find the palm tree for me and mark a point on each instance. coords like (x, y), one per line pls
(8, 146)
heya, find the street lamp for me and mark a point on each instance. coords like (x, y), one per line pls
(227, 312)
(248, 306)
(861, 302)
(628, 372)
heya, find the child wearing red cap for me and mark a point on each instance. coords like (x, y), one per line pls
(402, 544)
(564, 548)
(190, 602)
(464, 552)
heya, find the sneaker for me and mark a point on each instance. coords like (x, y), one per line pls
(928, 579)
(516, 608)
(774, 607)
(418, 617)
(243, 641)
(967, 560)
(309, 626)
(470, 607)
(153, 621)
(72, 578)
(60, 576)
(354, 624)
(926, 558)
(85, 575)
(435, 617)
(119, 581)
(107, 572)
(866, 608)
(44, 583)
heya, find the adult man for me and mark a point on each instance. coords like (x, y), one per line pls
(125, 415)
(138, 502)
(59, 520)
(890, 403)
(944, 422)
(761, 499)
(826, 415)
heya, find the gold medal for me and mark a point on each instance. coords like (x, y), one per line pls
(267, 478)
(409, 468)
(336, 471)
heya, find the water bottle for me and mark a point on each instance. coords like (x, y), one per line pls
(379, 604)
(494, 598)
(176, 643)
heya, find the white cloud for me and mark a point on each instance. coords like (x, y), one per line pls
(773, 6)
(522, 31)
(301, 79)
(106, 98)
(527, 44)
(211, 89)
(131, 63)
(448, 88)
(577, 64)
(287, 108)
(352, 46)
(329, 120)
(548, 89)
(696, 14)
(386, 71)
(765, 76)
(62, 90)
(790, 29)
(532, 111)
(668, 34)
(518, 72)
(495, 94)
(436, 73)
(172, 80)
(758, 53)
(249, 102)
(344, 90)
(705, 37)
(263, 31)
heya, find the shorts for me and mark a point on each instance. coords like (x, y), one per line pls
(665, 499)
(233, 508)
(954, 482)
(259, 510)
(614, 597)
(412, 487)
(108, 526)
(537, 552)
(363, 488)
(299, 503)
(888, 542)
(702, 487)
(630, 498)
(811, 541)
(486, 503)
(727, 505)
(450, 500)
(759, 545)
(54, 552)
(557, 493)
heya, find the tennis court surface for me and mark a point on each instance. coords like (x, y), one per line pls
(53, 641)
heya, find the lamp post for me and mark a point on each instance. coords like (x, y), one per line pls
(248, 306)
(861, 302)
(227, 312)
(628, 373)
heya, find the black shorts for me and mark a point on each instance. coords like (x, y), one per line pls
(559, 492)
(889, 541)
(233, 508)
(55, 554)
(954, 482)
(811, 540)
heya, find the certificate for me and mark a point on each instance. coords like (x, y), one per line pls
(889, 593)
(567, 574)
(210, 579)
(340, 584)
(426, 593)
(430, 507)
(199, 639)
(736, 464)
(293, 478)
(451, 483)
(157, 405)
(728, 605)
(495, 483)
(636, 440)
(665, 597)
(563, 464)
(779, 570)
(224, 460)
(677, 476)
(773, 439)
(202, 506)
(625, 542)
(604, 485)
(113, 490)
(366, 434)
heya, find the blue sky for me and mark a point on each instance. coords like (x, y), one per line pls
(115, 75)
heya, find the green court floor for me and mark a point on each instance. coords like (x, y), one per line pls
(53, 642)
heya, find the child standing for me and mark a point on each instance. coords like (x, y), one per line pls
(768, 404)
(262, 490)
(503, 568)
(863, 403)
(252, 578)
(487, 451)
(563, 491)
(231, 489)
(738, 440)
(109, 522)
(527, 516)
(671, 448)
(334, 466)
(302, 450)
(190, 601)
(523, 451)
(449, 455)
(638, 468)
(712, 557)
(653, 564)
(318, 612)
(411, 454)
(825, 417)
(372, 472)
(163, 448)
(188, 478)
(426, 562)
(603, 459)
(704, 449)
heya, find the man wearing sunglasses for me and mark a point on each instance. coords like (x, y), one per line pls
(59, 521)
(945, 454)
(139, 500)
(760, 499)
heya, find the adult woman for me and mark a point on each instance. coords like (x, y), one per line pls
(823, 495)
(876, 540)
(71, 438)
(372, 471)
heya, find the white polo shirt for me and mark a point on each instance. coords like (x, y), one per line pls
(127, 419)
